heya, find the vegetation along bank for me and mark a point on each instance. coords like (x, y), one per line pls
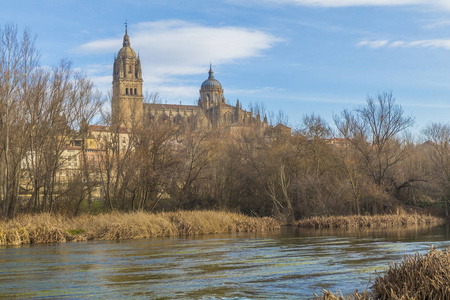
(377, 221)
(46, 228)
(415, 278)
(57, 155)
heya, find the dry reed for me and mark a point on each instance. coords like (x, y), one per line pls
(376, 221)
(46, 228)
(417, 277)
(327, 295)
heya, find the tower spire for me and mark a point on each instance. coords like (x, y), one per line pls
(211, 73)
(126, 38)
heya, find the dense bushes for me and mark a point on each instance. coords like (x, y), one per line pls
(258, 172)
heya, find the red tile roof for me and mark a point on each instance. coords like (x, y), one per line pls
(101, 128)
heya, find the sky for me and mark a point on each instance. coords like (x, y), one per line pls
(297, 56)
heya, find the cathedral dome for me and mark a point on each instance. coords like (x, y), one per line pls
(211, 82)
(126, 51)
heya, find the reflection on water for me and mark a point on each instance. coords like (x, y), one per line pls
(290, 263)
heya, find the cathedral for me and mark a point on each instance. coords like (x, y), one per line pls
(129, 110)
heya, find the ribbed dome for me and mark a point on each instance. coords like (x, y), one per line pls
(127, 52)
(211, 82)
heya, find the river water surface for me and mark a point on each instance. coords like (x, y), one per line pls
(285, 264)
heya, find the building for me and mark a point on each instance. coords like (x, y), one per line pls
(85, 158)
(129, 110)
(127, 99)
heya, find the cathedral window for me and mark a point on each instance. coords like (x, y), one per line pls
(135, 91)
(126, 91)
(129, 69)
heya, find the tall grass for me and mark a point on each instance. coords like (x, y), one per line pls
(46, 228)
(417, 277)
(327, 295)
(376, 221)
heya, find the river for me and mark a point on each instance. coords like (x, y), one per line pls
(290, 263)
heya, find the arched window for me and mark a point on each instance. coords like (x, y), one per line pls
(135, 91)
(215, 98)
(126, 91)
(129, 69)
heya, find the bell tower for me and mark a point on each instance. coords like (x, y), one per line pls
(127, 99)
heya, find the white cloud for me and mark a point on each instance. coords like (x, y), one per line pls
(435, 43)
(171, 48)
(176, 47)
(437, 24)
(373, 44)
(396, 44)
(432, 43)
(174, 94)
(428, 104)
(261, 91)
(102, 83)
(98, 46)
(346, 3)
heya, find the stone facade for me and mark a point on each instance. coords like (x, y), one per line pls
(127, 100)
(212, 111)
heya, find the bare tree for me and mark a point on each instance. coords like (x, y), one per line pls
(314, 127)
(373, 130)
(18, 60)
(438, 136)
(196, 155)
(152, 97)
(282, 118)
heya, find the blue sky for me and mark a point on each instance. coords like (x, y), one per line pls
(299, 56)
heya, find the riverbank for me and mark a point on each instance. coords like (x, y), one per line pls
(376, 221)
(416, 277)
(46, 228)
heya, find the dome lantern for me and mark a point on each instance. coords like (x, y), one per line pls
(211, 92)
(211, 82)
